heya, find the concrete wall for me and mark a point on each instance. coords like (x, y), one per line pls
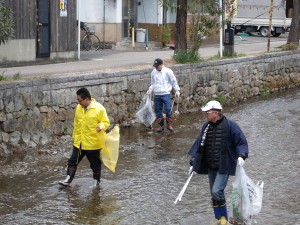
(33, 111)
(18, 50)
(93, 11)
(113, 31)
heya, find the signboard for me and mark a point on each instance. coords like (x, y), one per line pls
(63, 8)
(230, 6)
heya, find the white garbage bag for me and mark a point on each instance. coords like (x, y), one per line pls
(145, 113)
(246, 200)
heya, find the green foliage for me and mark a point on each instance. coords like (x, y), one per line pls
(2, 77)
(6, 23)
(230, 10)
(204, 20)
(223, 99)
(226, 55)
(65, 130)
(17, 76)
(290, 46)
(166, 35)
(169, 5)
(187, 56)
(264, 92)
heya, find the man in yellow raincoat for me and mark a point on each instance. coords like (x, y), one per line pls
(90, 123)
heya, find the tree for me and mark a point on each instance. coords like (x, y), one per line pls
(204, 21)
(6, 23)
(294, 34)
(201, 22)
(180, 33)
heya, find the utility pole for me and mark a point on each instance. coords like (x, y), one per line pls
(104, 25)
(221, 29)
(270, 24)
(78, 27)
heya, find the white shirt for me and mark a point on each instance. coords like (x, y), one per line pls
(163, 81)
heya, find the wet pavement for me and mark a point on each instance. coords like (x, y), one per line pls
(152, 169)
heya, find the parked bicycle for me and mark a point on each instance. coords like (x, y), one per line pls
(90, 40)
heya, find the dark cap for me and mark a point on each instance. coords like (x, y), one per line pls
(157, 62)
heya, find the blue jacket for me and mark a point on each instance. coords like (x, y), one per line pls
(236, 145)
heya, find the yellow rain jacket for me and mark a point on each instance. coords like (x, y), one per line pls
(85, 123)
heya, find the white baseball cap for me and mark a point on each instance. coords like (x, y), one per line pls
(212, 105)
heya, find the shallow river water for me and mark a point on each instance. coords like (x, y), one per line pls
(153, 168)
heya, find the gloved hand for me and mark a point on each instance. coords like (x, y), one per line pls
(240, 161)
(149, 92)
(177, 94)
(191, 162)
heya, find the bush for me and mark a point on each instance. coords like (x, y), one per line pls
(166, 35)
(6, 23)
(187, 56)
(290, 46)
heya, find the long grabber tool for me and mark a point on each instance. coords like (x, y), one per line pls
(185, 185)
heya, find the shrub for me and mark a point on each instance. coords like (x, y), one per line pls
(187, 56)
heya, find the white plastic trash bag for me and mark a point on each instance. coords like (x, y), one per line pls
(246, 200)
(145, 113)
(257, 198)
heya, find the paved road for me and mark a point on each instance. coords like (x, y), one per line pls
(110, 60)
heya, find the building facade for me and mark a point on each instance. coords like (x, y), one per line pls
(42, 29)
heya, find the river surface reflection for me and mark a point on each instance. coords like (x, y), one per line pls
(153, 168)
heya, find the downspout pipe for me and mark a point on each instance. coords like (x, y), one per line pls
(146, 25)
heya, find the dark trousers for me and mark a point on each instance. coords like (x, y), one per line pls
(92, 155)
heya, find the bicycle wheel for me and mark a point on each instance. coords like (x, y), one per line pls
(91, 41)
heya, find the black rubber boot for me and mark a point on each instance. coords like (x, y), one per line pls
(70, 176)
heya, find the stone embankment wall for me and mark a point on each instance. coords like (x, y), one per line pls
(33, 111)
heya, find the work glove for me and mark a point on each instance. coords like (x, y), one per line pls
(177, 94)
(149, 92)
(191, 162)
(240, 161)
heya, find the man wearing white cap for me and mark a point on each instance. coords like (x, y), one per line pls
(162, 83)
(219, 148)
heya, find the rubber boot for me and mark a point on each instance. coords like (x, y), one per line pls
(223, 213)
(160, 127)
(70, 176)
(96, 177)
(169, 124)
(216, 212)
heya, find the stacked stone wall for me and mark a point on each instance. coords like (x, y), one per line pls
(34, 111)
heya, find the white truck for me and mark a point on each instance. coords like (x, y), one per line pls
(253, 16)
